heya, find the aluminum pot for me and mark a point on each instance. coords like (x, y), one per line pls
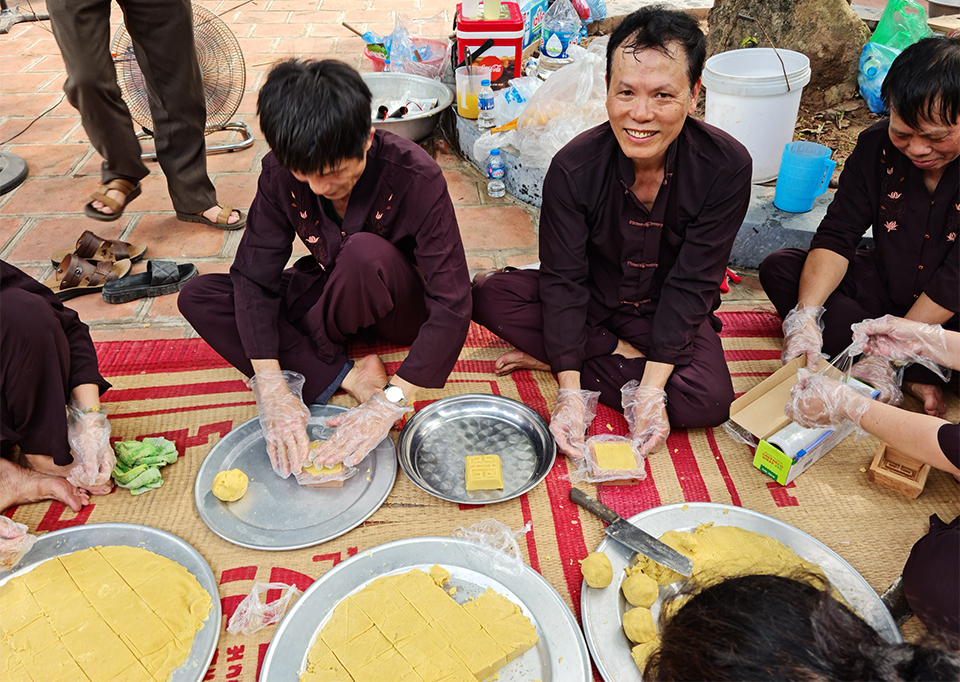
(393, 86)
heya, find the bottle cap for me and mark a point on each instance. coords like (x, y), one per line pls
(494, 152)
(484, 82)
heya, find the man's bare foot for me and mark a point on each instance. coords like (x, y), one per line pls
(23, 486)
(212, 213)
(367, 376)
(931, 396)
(114, 194)
(517, 359)
(627, 350)
(43, 464)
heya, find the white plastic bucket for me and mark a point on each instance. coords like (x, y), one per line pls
(747, 97)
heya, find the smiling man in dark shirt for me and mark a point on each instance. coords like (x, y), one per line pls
(639, 216)
(386, 261)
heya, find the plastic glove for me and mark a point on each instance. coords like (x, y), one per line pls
(900, 340)
(572, 415)
(15, 541)
(818, 400)
(802, 335)
(89, 437)
(645, 409)
(283, 418)
(359, 430)
(882, 375)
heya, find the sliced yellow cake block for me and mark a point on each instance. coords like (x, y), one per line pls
(615, 456)
(483, 472)
(407, 628)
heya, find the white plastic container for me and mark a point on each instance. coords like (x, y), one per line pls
(747, 96)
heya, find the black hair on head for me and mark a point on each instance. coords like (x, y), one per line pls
(655, 27)
(314, 114)
(924, 82)
(772, 628)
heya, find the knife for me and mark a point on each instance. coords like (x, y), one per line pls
(630, 536)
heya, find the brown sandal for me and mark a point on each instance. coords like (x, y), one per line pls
(130, 190)
(221, 221)
(95, 248)
(76, 276)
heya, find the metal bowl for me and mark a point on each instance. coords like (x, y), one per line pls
(393, 86)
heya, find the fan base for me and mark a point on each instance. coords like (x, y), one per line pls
(13, 171)
(245, 141)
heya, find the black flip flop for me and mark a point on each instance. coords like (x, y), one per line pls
(162, 277)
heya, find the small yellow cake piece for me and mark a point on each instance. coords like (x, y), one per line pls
(640, 589)
(230, 485)
(439, 574)
(483, 472)
(638, 625)
(641, 652)
(615, 456)
(325, 470)
(596, 570)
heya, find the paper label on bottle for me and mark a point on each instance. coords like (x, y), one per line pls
(495, 173)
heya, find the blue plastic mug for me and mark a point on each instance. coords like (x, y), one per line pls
(805, 172)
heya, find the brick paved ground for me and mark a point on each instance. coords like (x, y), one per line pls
(45, 213)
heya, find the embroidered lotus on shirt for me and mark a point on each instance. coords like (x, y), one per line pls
(894, 195)
(891, 225)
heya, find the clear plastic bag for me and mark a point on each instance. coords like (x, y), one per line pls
(252, 614)
(15, 542)
(572, 100)
(588, 468)
(413, 51)
(308, 478)
(902, 23)
(499, 543)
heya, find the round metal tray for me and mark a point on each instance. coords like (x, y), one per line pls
(602, 610)
(560, 655)
(436, 439)
(278, 513)
(70, 540)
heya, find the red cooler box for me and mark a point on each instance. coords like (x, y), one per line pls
(505, 58)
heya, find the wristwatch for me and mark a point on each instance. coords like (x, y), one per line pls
(394, 394)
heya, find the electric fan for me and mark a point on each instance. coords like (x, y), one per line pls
(224, 79)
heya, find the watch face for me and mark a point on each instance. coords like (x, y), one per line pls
(393, 393)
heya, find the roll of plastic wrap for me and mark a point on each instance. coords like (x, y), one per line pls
(795, 441)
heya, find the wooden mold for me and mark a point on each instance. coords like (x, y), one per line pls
(894, 470)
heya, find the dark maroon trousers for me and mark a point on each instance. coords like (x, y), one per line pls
(860, 296)
(931, 580)
(373, 291)
(698, 394)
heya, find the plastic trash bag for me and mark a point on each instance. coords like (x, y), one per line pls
(903, 23)
(498, 541)
(412, 37)
(15, 541)
(253, 615)
(572, 100)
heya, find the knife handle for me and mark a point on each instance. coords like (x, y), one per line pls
(593, 506)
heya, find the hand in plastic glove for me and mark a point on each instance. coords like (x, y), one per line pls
(881, 374)
(802, 335)
(359, 430)
(818, 400)
(900, 340)
(283, 418)
(645, 408)
(89, 437)
(572, 415)
(15, 541)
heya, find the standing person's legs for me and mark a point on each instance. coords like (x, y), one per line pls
(82, 31)
(162, 33)
(931, 580)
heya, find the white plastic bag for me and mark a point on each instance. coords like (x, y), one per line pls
(15, 541)
(416, 34)
(588, 470)
(253, 615)
(499, 542)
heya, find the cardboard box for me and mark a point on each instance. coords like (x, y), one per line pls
(533, 12)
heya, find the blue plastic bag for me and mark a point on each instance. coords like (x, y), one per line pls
(875, 61)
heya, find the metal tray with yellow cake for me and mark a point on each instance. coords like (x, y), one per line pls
(428, 609)
(476, 449)
(122, 602)
(279, 513)
(602, 609)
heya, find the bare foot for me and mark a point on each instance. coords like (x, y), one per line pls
(114, 194)
(931, 396)
(214, 211)
(43, 464)
(367, 376)
(22, 486)
(517, 359)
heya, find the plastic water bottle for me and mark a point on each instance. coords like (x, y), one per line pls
(875, 61)
(485, 105)
(495, 171)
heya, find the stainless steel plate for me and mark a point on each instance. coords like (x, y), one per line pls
(69, 540)
(437, 438)
(559, 656)
(602, 609)
(278, 513)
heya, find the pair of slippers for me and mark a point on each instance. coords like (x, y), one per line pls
(103, 265)
(131, 191)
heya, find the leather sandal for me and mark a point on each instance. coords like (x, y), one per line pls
(95, 248)
(162, 277)
(130, 190)
(76, 276)
(220, 223)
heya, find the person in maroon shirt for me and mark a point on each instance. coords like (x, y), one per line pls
(47, 360)
(903, 179)
(386, 260)
(639, 216)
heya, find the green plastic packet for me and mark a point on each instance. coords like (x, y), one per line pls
(138, 463)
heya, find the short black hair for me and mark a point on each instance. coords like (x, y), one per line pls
(769, 627)
(655, 27)
(314, 114)
(924, 82)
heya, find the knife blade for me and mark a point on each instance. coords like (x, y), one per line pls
(632, 537)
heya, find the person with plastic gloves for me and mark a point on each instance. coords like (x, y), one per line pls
(903, 181)
(54, 434)
(385, 262)
(931, 576)
(639, 216)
